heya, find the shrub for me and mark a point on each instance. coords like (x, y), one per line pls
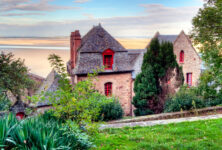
(184, 99)
(213, 102)
(39, 133)
(111, 111)
(81, 103)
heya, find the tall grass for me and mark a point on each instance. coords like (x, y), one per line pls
(40, 134)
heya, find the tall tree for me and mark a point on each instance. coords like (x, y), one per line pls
(207, 33)
(13, 75)
(151, 85)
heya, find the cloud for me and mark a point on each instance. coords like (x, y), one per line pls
(22, 14)
(30, 5)
(162, 12)
(81, 1)
(156, 17)
(89, 16)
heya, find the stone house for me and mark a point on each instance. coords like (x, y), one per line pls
(186, 56)
(98, 48)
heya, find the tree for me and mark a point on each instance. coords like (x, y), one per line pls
(145, 89)
(13, 74)
(150, 85)
(80, 103)
(207, 34)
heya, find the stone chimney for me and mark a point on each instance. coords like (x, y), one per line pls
(75, 42)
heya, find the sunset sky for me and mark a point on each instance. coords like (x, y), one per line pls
(122, 18)
(33, 29)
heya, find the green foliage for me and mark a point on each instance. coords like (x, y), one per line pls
(207, 23)
(207, 35)
(158, 59)
(14, 74)
(39, 133)
(145, 89)
(80, 103)
(7, 125)
(185, 99)
(111, 110)
(5, 103)
(213, 102)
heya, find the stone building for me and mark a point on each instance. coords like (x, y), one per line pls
(98, 48)
(186, 56)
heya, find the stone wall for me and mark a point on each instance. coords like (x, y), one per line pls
(192, 61)
(121, 88)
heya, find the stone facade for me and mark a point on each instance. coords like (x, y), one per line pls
(87, 54)
(121, 88)
(192, 61)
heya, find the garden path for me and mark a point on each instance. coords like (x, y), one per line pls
(159, 122)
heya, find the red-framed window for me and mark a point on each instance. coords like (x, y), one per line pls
(108, 89)
(181, 56)
(108, 59)
(189, 79)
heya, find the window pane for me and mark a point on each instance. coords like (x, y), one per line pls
(108, 61)
(108, 89)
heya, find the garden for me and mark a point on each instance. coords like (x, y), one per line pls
(77, 111)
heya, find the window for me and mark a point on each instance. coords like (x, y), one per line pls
(108, 59)
(20, 115)
(181, 56)
(108, 89)
(189, 79)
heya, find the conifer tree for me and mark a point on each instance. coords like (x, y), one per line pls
(158, 64)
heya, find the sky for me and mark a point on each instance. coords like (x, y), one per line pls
(121, 18)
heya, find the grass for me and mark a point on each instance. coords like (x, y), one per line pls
(199, 135)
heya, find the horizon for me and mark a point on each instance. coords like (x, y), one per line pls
(31, 27)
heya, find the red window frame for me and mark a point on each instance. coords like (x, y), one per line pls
(108, 89)
(189, 79)
(108, 59)
(20, 115)
(181, 56)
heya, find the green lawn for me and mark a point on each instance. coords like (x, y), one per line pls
(199, 135)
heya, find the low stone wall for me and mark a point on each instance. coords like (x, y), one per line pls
(197, 112)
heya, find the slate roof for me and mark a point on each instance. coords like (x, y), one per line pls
(50, 84)
(96, 41)
(136, 60)
(19, 106)
(167, 38)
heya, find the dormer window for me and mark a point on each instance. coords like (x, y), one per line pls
(182, 56)
(108, 59)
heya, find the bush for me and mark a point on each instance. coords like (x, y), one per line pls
(213, 102)
(81, 103)
(111, 111)
(184, 99)
(39, 133)
(142, 112)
